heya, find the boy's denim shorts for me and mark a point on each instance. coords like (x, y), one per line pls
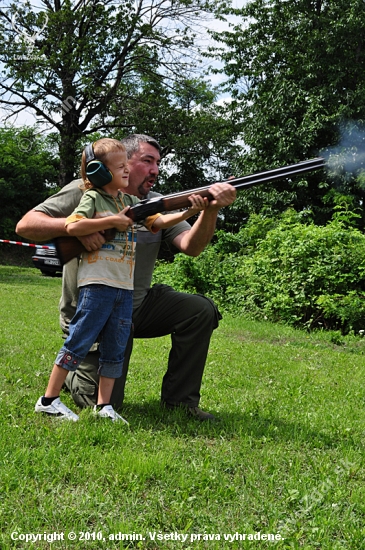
(103, 314)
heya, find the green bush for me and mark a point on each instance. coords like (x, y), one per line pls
(306, 274)
(282, 270)
(214, 271)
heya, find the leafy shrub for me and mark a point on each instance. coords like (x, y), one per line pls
(213, 272)
(283, 270)
(306, 274)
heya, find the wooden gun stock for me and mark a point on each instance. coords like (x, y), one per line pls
(70, 247)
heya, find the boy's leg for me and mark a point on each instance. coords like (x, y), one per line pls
(94, 310)
(56, 380)
(50, 403)
(113, 342)
(104, 409)
(84, 329)
(106, 386)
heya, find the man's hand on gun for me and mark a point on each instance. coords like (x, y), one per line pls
(92, 242)
(224, 194)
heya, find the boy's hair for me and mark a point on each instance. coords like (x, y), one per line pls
(102, 148)
(132, 142)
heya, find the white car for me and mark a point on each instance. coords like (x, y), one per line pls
(46, 260)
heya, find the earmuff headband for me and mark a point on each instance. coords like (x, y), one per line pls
(89, 153)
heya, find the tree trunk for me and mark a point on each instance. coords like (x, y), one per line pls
(71, 132)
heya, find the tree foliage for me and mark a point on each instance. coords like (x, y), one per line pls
(297, 70)
(88, 69)
(27, 175)
(198, 134)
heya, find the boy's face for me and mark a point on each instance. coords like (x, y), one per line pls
(118, 165)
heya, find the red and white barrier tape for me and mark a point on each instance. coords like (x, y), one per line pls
(26, 244)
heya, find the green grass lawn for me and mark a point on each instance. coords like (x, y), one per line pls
(286, 458)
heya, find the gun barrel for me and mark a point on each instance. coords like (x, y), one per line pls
(280, 173)
(264, 176)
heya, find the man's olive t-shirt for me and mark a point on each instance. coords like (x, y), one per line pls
(62, 204)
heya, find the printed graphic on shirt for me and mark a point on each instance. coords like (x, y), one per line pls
(113, 263)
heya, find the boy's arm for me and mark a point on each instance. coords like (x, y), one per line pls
(81, 222)
(79, 226)
(168, 220)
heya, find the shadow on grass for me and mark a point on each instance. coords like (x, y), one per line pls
(151, 416)
(23, 275)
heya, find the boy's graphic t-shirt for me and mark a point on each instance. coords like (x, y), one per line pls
(113, 264)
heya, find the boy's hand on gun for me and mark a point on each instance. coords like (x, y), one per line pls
(122, 222)
(198, 203)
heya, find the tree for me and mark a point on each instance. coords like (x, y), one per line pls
(84, 60)
(297, 70)
(199, 134)
(28, 175)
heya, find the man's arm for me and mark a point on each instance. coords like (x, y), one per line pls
(47, 220)
(193, 241)
(38, 226)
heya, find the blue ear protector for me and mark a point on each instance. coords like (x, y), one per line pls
(96, 171)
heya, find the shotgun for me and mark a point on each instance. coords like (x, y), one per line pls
(70, 247)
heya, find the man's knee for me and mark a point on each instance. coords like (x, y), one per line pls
(83, 383)
(208, 310)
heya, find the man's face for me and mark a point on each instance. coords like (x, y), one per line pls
(144, 168)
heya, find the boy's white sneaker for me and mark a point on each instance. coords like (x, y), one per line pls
(108, 412)
(56, 408)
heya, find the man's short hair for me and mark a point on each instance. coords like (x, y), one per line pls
(131, 143)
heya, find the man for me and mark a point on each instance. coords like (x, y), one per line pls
(158, 311)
